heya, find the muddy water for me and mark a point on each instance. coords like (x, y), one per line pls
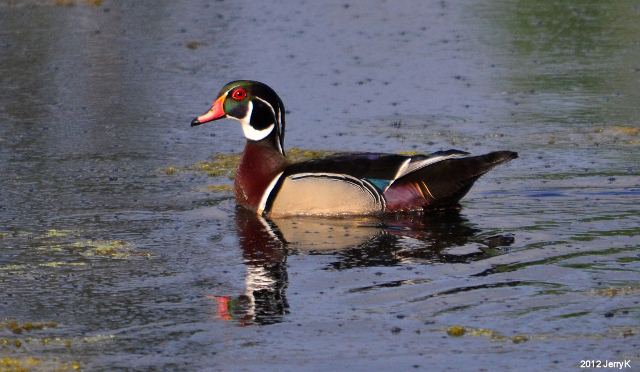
(115, 251)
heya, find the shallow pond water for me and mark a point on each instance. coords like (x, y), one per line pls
(119, 249)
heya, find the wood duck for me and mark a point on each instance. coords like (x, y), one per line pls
(343, 184)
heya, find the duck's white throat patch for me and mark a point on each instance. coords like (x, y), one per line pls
(251, 132)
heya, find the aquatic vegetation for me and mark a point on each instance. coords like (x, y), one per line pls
(220, 188)
(226, 164)
(458, 331)
(18, 328)
(219, 165)
(616, 291)
(39, 348)
(625, 130)
(73, 2)
(56, 264)
(117, 249)
(19, 364)
(517, 339)
(58, 249)
(54, 233)
(296, 154)
(170, 170)
(30, 363)
(611, 333)
(13, 267)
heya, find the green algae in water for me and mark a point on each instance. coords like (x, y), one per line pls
(226, 164)
(572, 315)
(34, 363)
(456, 331)
(71, 3)
(54, 233)
(170, 170)
(18, 328)
(628, 259)
(19, 364)
(518, 339)
(484, 332)
(296, 154)
(116, 249)
(220, 165)
(57, 264)
(220, 188)
(616, 291)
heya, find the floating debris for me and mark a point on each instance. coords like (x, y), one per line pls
(194, 44)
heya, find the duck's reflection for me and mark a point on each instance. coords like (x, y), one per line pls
(354, 242)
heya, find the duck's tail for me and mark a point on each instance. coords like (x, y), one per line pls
(443, 183)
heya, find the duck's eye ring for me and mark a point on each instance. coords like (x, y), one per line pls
(239, 94)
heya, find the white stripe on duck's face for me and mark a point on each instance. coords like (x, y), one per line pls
(249, 131)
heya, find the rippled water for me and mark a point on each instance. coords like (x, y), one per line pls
(116, 252)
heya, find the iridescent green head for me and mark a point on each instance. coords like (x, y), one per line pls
(256, 106)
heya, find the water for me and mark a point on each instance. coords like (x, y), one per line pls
(108, 260)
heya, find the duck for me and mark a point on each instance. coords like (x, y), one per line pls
(343, 184)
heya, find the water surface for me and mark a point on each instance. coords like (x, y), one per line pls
(115, 252)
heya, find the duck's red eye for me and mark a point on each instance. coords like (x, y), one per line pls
(239, 94)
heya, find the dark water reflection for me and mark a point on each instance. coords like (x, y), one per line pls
(351, 242)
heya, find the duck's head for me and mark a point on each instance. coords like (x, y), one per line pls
(256, 106)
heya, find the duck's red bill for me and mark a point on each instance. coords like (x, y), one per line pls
(216, 112)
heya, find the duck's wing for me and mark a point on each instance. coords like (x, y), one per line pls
(381, 170)
(443, 182)
(352, 183)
